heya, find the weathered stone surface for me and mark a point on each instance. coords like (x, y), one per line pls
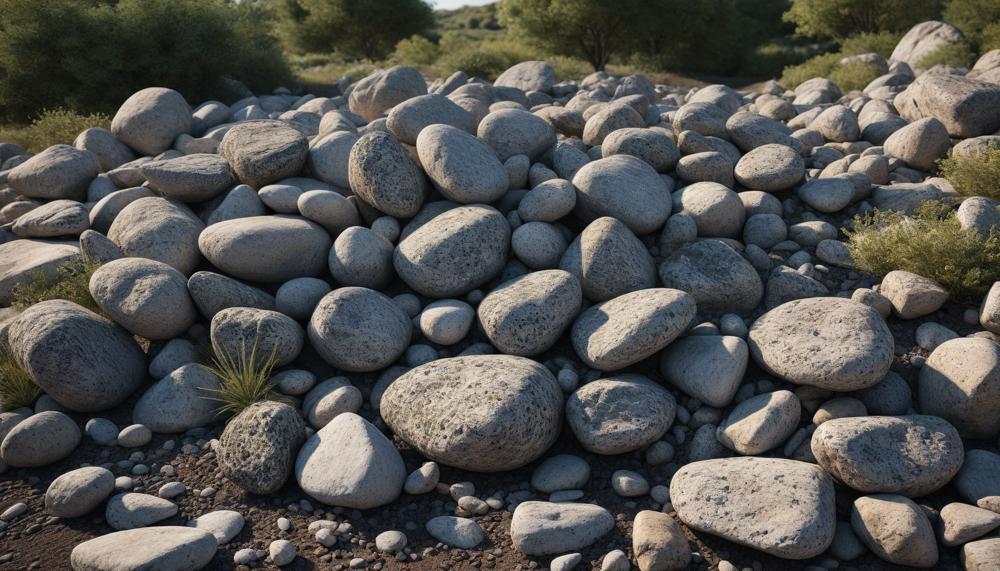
(462, 167)
(709, 368)
(967, 107)
(485, 413)
(150, 119)
(631, 327)
(895, 529)
(359, 329)
(909, 455)
(715, 275)
(410, 118)
(961, 383)
(191, 178)
(826, 342)
(264, 151)
(383, 90)
(622, 187)
(525, 316)
(83, 361)
(619, 414)
(40, 440)
(166, 548)
(659, 543)
(146, 297)
(214, 292)
(266, 248)
(544, 528)
(516, 132)
(609, 260)
(760, 423)
(385, 177)
(258, 447)
(528, 76)
(78, 492)
(53, 219)
(161, 230)
(60, 171)
(240, 333)
(912, 295)
(134, 510)
(22, 261)
(782, 507)
(178, 402)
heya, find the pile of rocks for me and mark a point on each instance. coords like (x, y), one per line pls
(470, 267)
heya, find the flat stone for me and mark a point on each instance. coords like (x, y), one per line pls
(132, 510)
(455, 531)
(544, 528)
(165, 548)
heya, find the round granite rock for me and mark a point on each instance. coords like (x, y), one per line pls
(270, 249)
(359, 329)
(619, 414)
(525, 316)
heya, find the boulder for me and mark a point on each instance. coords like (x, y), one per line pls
(622, 187)
(384, 176)
(359, 329)
(525, 316)
(462, 167)
(707, 367)
(372, 96)
(179, 402)
(53, 219)
(919, 144)
(40, 440)
(895, 529)
(619, 414)
(78, 492)
(134, 510)
(25, 260)
(161, 230)
(148, 298)
(258, 447)
(912, 295)
(165, 548)
(715, 275)
(760, 423)
(214, 292)
(245, 334)
(150, 119)
(516, 132)
(266, 248)
(264, 151)
(408, 119)
(545, 528)
(659, 543)
(966, 107)
(192, 178)
(528, 76)
(961, 383)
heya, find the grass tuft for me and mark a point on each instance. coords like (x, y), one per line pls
(17, 388)
(931, 243)
(245, 379)
(52, 127)
(976, 175)
(71, 283)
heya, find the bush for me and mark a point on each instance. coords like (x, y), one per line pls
(53, 127)
(569, 67)
(90, 56)
(957, 55)
(244, 379)
(855, 75)
(881, 43)
(17, 388)
(839, 19)
(71, 283)
(979, 20)
(931, 243)
(771, 58)
(416, 50)
(486, 59)
(977, 175)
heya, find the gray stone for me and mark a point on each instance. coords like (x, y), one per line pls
(838, 124)
(919, 144)
(608, 260)
(716, 210)
(266, 248)
(962, 523)
(980, 214)
(619, 414)
(242, 201)
(214, 292)
(25, 260)
(297, 298)
(349, 463)
(895, 529)
(283, 198)
(966, 107)
(538, 245)
(110, 152)
(80, 359)
(826, 342)
(191, 178)
(771, 168)
(331, 209)
(178, 402)
(159, 229)
(53, 219)
(827, 194)
(257, 449)
(104, 212)
(78, 492)
(372, 96)
(784, 508)
(150, 119)
(701, 117)
(707, 166)
(708, 368)
(96, 248)
(385, 177)
(133, 510)
(455, 531)
(912, 295)
(765, 230)
(224, 525)
(611, 117)
(60, 171)
(360, 257)
(483, 413)
(40, 440)
(749, 130)
(409, 118)
(961, 383)
(422, 480)
(329, 157)
(454, 252)
(760, 423)
(631, 327)
(562, 472)
(525, 316)
(446, 322)
(516, 132)
(256, 335)
(359, 329)
(329, 399)
(548, 201)
(462, 167)
(101, 430)
(785, 284)
(623, 187)
(654, 147)
(544, 528)
(715, 275)
(148, 298)
(262, 152)
(658, 542)
(166, 548)
(528, 76)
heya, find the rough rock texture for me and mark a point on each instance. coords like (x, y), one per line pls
(895, 529)
(170, 548)
(266, 248)
(21, 261)
(544, 528)
(961, 383)
(359, 329)
(526, 316)
(619, 414)
(262, 152)
(161, 230)
(715, 275)
(258, 446)
(146, 297)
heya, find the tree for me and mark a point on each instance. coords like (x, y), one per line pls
(367, 28)
(590, 29)
(979, 20)
(839, 19)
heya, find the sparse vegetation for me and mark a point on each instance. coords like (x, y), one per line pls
(53, 127)
(977, 175)
(17, 388)
(931, 243)
(957, 55)
(71, 283)
(840, 19)
(245, 379)
(854, 75)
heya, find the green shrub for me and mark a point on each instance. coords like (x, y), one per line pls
(840, 19)
(771, 58)
(990, 38)
(855, 75)
(52, 127)
(569, 67)
(958, 55)
(977, 175)
(91, 55)
(17, 388)
(416, 50)
(71, 283)
(881, 43)
(931, 243)
(979, 20)
(244, 379)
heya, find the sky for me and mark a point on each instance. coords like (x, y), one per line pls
(452, 4)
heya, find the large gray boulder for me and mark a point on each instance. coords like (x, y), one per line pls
(454, 252)
(258, 447)
(269, 249)
(24, 261)
(408, 119)
(83, 361)
(60, 171)
(384, 176)
(895, 529)
(214, 292)
(966, 107)
(908, 455)
(349, 463)
(545, 528)
(922, 40)
(784, 508)
(383, 90)
(147, 297)
(516, 132)
(359, 329)
(961, 383)
(110, 152)
(485, 413)
(609, 260)
(623, 187)
(462, 167)
(191, 178)
(827, 342)
(241, 332)
(631, 327)
(265, 151)
(159, 229)
(707, 367)
(528, 76)
(40, 440)
(525, 316)
(78, 492)
(53, 219)
(716, 276)
(150, 119)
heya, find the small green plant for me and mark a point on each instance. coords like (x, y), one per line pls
(52, 127)
(854, 75)
(17, 388)
(416, 50)
(71, 283)
(974, 175)
(245, 379)
(931, 243)
(957, 55)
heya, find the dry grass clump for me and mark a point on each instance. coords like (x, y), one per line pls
(71, 283)
(975, 175)
(17, 388)
(52, 127)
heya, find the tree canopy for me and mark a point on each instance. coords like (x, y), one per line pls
(839, 19)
